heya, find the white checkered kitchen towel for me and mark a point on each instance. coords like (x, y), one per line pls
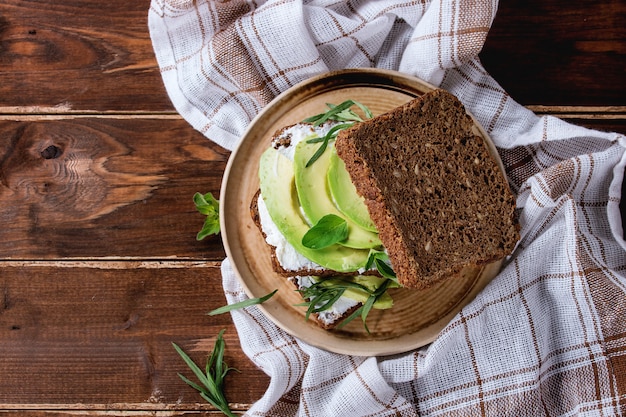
(547, 337)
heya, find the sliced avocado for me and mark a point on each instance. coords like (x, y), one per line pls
(371, 282)
(315, 197)
(343, 192)
(276, 175)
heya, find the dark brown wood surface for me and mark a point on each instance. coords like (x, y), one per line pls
(100, 270)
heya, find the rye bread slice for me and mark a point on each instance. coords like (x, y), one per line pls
(432, 187)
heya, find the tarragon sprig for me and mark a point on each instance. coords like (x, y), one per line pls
(338, 113)
(365, 308)
(320, 296)
(242, 304)
(212, 378)
(211, 386)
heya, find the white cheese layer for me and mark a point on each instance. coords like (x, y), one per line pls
(336, 311)
(287, 256)
(296, 134)
(291, 260)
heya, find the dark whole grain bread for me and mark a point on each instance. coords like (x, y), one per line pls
(432, 187)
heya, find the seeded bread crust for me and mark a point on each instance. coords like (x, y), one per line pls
(433, 189)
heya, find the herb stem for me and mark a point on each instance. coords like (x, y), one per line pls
(337, 113)
(212, 378)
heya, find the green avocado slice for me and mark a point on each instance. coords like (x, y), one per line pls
(315, 198)
(277, 181)
(343, 192)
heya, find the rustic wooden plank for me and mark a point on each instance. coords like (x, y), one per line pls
(78, 411)
(574, 54)
(78, 55)
(598, 121)
(97, 335)
(559, 52)
(105, 187)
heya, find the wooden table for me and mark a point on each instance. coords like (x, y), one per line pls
(100, 270)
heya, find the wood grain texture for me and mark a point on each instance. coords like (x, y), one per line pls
(78, 55)
(94, 187)
(559, 52)
(99, 334)
(99, 267)
(556, 52)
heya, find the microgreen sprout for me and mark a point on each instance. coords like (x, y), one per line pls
(207, 204)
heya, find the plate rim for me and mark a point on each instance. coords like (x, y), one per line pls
(368, 347)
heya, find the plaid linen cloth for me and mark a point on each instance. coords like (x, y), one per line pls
(547, 337)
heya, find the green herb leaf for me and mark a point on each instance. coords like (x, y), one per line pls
(329, 230)
(385, 270)
(211, 386)
(242, 304)
(322, 294)
(380, 260)
(364, 310)
(320, 297)
(340, 112)
(330, 135)
(337, 113)
(207, 204)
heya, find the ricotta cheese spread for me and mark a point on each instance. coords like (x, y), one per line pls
(287, 256)
(285, 143)
(336, 311)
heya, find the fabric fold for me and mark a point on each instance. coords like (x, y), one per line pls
(547, 336)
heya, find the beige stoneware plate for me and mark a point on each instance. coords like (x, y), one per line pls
(416, 317)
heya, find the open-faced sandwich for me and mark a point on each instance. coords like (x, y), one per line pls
(353, 204)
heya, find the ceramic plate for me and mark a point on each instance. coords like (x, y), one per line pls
(417, 317)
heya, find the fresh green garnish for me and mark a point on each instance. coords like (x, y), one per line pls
(337, 113)
(380, 260)
(364, 309)
(341, 113)
(331, 134)
(329, 230)
(212, 378)
(320, 296)
(242, 304)
(207, 204)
